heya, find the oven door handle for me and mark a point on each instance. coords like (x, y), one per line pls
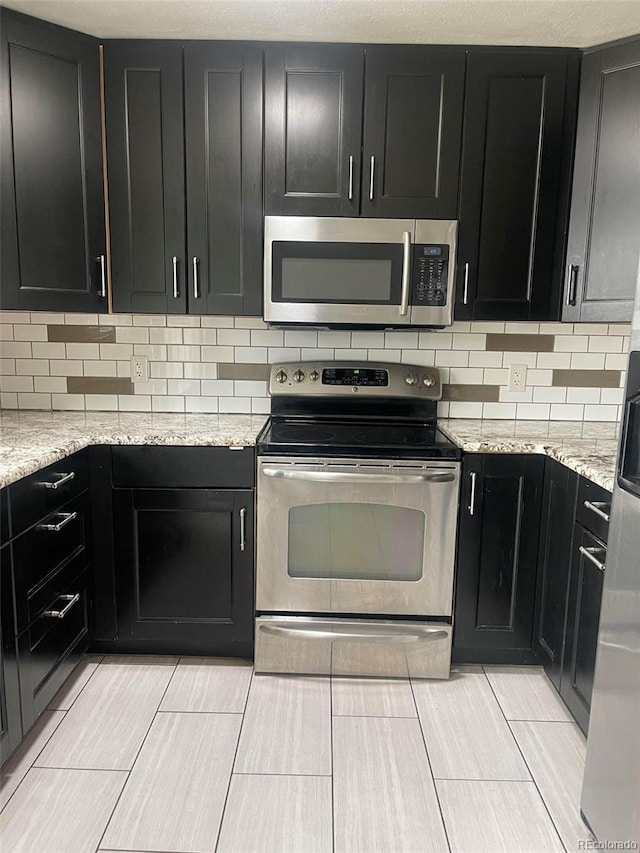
(349, 477)
(426, 634)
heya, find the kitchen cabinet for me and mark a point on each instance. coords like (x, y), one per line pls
(176, 133)
(53, 235)
(603, 250)
(10, 721)
(372, 132)
(498, 532)
(516, 161)
(184, 551)
(554, 561)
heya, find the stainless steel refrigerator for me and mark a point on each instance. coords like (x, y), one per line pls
(611, 788)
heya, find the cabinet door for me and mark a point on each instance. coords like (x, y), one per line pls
(554, 560)
(412, 132)
(603, 249)
(145, 157)
(583, 620)
(519, 124)
(10, 725)
(497, 553)
(184, 570)
(313, 124)
(53, 237)
(223, 103)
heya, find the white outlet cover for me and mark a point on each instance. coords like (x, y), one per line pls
(518, 377)
(139, 368)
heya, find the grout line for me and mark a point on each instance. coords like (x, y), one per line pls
(133, 764)
(177, 711)
(303, 775)
(379, 716)
(80, 692)
(333, 798)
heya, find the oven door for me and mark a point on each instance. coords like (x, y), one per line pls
(337, 271)
(356, 536)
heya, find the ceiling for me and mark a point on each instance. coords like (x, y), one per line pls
(570, 23)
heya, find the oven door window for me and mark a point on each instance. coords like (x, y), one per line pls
(340, 273)
(356, 541)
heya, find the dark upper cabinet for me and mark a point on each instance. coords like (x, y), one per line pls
(223, 104)
(53, 236)
(554, 561)
(313, 129)
(516, 161)
(204, 257)
(497, 552)
(412, 132)
(10, 722)
(145, 161)
(603, 249)
(344, 141)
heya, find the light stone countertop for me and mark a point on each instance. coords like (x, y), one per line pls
(30, 441)
(588, 447)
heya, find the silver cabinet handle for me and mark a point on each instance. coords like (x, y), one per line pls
(350, 178)
(64, 478)
(589, 554)
(406, 266)
(60, 614)
(465, 294)
(472, 499)
(56, 528)
(372, 170)
(572, 283)
(196, 283)
(355, 637)
(243, 529)
(596, 506)
(103, 275)
(176, 288)
(347, 477)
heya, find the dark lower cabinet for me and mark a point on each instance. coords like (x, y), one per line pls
(497, 555)
(184, 570)
(554, 562)
(583, 620)
(10, 722)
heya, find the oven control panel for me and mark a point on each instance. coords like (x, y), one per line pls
(334, 378)
(430, 275)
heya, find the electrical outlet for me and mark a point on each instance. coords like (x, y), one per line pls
(139, 368)
(517, 377)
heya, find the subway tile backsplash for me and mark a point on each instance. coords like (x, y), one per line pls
(220, 364)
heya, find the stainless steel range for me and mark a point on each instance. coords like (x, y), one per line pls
(357, 511)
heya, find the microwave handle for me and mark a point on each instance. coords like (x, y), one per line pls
(406, 268)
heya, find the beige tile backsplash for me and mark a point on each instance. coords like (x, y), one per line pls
(220, 364)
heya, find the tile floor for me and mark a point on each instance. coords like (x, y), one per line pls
(196, 755)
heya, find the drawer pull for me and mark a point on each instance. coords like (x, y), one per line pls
(243, 528)
(596, 506)
(64, 478)
(56, 528)
(589, 553)
(60, 614)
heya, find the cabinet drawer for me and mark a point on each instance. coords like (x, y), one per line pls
(49, 544)
(38, 495)
(183, 467)
(30, 606)
(593, 503)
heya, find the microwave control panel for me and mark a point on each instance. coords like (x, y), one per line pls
(430, 274)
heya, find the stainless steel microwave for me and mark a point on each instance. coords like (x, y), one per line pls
(336, 272)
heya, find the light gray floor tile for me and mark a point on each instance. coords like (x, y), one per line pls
(372, 697)
(16, 768)
(289, 814)
(287, 726)
(209, 684)
(496, 817)
(525, 693)
(71, 689)
(176, 791)
(555, 754)
(465, 731)
(107, 723)
(64, 811)
(384, 797)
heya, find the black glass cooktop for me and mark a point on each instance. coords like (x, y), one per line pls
(326, 437)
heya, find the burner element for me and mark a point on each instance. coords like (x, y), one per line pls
(307, 433)
(385, 436)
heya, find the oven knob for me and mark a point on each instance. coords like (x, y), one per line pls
(411, 379)
(281, 376)
(299, 376)
(429, 380)
(314, 376)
